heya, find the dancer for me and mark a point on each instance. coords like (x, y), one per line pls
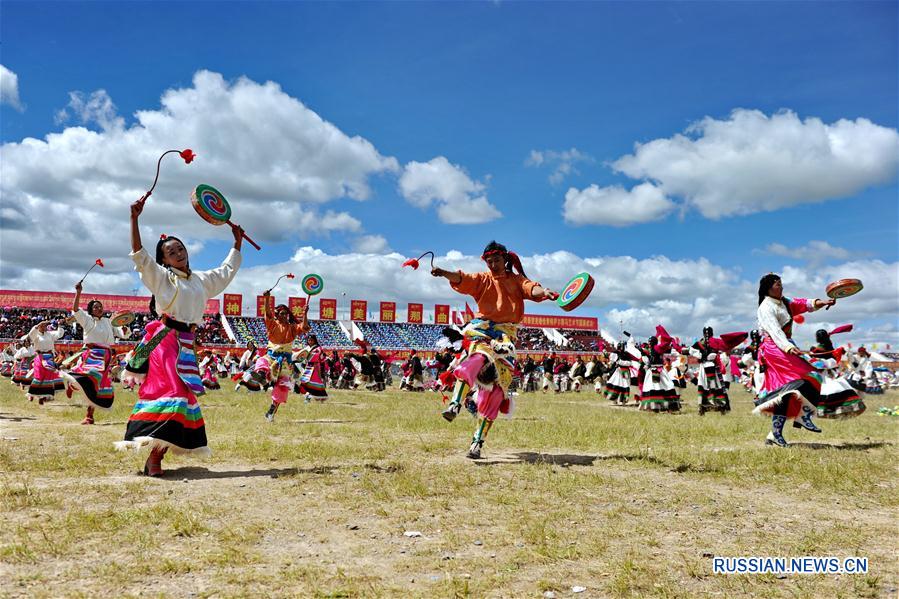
(658, 393)
(549, 364)
(282, 329)
(577, 374)
(500, 293)
(91, 375)
(838, 398)
(46, 379)
(167, 414)
(312, 383)
(23, 359)
(7, 359)
(754, 367)
(864, 373)
(618, 385)
(794, 388)
(712, 394)
(247, 376)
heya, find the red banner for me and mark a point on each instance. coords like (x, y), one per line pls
(296, 305)
(62, 300)
(327, 309)
(441, 314)
(260, 302)
(388, 311)
(233, 304)
(358, 309)
(582, 323)
(414, 312)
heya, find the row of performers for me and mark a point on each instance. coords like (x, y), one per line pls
(167, 414)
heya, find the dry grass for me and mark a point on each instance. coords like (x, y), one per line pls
(572, 492)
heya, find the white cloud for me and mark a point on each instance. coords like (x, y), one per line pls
(9, 89)
(371, 244)
(813, 253)
(751, 162)
(275, 160)
(562, 162)
(616, 206)
(97, 108)
(460, 200)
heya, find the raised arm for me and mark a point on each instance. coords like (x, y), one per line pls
(136, 208)
(77, 296)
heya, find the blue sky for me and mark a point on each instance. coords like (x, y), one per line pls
(486, 84)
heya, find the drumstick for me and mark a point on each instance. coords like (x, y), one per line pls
(188, 157)
(244, 235)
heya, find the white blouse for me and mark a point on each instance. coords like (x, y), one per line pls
(44, 341)
(183, 297)
(25, 352)
(773, 316)
(99, 331)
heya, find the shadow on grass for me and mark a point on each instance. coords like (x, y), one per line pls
(847, 446)
(566, 460)
(14, 418)
(200, 473)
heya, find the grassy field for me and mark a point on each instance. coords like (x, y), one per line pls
(572, 493)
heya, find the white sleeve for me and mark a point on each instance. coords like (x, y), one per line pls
(768, 322)
(215, 281)
(695, 353)
(153, 275)
(81, 317)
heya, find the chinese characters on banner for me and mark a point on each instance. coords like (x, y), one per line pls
(233, 304)
(260, 302)
(388, 311)
(560, 322)
(358, 309)
(295, 304)
(441, 314)
(327, 309)
(414, 313)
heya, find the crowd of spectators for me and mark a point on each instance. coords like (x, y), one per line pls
(328, 332)
(17, 322)
(534, 339)
(580, 340)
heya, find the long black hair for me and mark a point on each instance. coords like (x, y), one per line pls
(765, 285)
(159, 260)
(823, 339)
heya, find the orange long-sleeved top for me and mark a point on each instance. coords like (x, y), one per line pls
(281, 334)
(500, 298)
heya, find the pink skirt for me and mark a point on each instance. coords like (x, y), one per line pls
(781, 367)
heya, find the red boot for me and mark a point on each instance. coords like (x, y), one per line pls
(89, 418)
(153, 467)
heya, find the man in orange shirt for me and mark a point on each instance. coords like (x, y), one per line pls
(282, 329)
(500, 293)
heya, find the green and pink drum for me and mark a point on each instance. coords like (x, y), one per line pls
(212, 207)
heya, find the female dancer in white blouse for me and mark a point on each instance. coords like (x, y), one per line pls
(792, 384)
(167, 414)
(91, 375)
(46, 379)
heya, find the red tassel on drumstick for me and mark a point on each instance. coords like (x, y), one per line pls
(187, 155)
(289, 275)
(97, 262)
